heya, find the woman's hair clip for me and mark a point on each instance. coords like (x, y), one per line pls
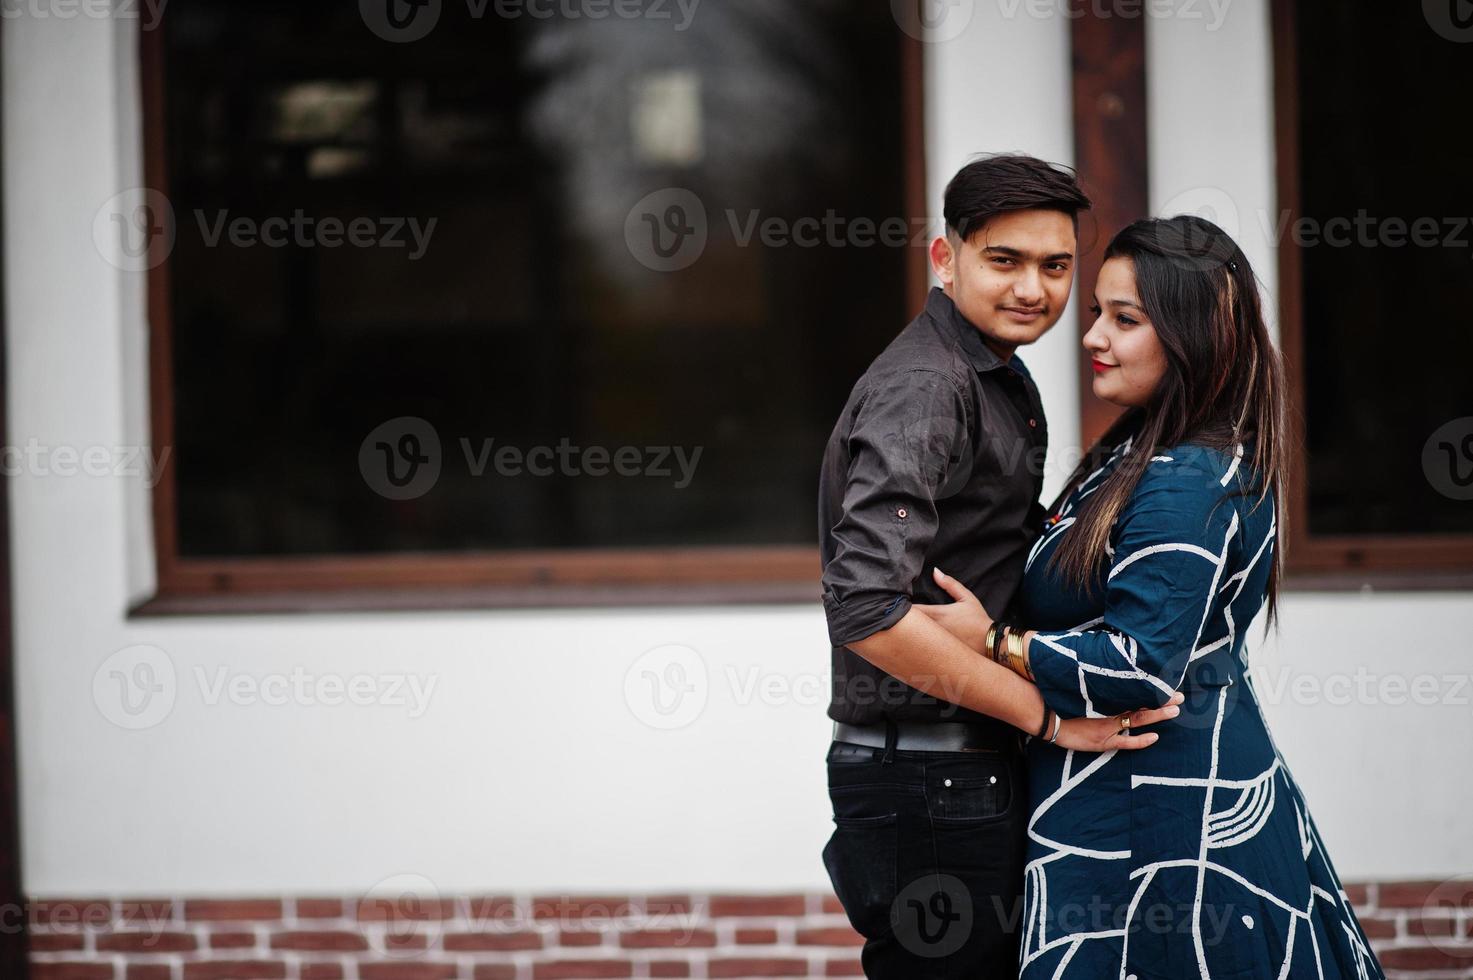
(1232, 265)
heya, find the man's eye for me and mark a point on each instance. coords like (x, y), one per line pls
(1094, 308)
(1000, 260)
(1058, 267)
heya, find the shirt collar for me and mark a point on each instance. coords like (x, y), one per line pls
(941, 309)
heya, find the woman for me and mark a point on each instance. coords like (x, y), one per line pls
(1198, 856)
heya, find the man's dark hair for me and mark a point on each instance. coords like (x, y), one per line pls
(994, 185)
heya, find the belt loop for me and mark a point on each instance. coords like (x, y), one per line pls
(892, 735)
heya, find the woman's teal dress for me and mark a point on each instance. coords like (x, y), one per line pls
(1195, 857)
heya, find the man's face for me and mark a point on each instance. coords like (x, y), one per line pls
(1011, 279)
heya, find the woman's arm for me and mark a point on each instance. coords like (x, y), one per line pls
(967, 617)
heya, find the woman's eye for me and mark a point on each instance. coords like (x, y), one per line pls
(1125, 321)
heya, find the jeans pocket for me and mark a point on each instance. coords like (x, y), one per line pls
(860, 859)
(969, 791)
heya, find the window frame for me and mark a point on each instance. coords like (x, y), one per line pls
(521, 578)
(1328, 561)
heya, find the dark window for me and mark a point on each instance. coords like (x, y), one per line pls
(1379, 282)
(504, 287)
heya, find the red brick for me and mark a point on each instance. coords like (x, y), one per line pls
(667, 938)
(146, 911)
(581, 969)
(723, 906)
(232, 940)
(321, 971)
(756, 967)
(406, 971)
(330, 941)
(233, 910)
(55, 942)
(1404, 894)
(494, 908)
(319, 908)
(1378, 927)
(657, 905)
(1425, 958)
(496, 971)
(843, 968)
(669, 968)
(145, 942)
(235, 970)
(491, 940)
(148, 971)
(406, 941)
(580, 938)
(405, 908)
(1430, 925)
(756, 937)
(834, 936)
(1357, 894)
(832, 905)
(71, 913)
(566, 908)
(71, 971)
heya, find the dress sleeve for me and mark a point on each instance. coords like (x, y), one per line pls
(1171, 546)
(905, 448)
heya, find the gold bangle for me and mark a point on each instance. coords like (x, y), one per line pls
(1021, 651)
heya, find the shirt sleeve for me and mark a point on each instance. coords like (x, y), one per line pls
(906, 446)
(1171, 545)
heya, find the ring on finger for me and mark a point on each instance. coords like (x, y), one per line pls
(1124, 721)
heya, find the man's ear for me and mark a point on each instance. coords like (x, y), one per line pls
(943, 256)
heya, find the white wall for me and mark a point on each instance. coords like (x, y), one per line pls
(488, 787)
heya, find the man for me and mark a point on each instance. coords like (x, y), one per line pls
(936, 463)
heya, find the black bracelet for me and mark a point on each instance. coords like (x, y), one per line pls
(999, 631)
(1048, 717)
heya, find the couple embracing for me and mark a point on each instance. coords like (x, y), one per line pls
(1048, 758)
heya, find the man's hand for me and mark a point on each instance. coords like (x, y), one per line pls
(1104, 734)
(965, 618)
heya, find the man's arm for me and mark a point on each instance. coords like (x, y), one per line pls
(920, 652)
(908, 431)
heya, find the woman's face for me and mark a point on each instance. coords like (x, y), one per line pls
(1129, 361)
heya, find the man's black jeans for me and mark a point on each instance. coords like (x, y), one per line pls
(927, 858)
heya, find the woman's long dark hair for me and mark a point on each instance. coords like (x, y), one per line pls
(1224, 381)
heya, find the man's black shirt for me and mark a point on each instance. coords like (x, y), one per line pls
(936, 460)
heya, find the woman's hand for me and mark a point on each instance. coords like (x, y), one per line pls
(1104, 734)
(965, 618)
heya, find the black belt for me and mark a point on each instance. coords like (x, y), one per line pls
(923, 736)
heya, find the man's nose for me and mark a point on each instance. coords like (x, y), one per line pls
(1028, 287)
